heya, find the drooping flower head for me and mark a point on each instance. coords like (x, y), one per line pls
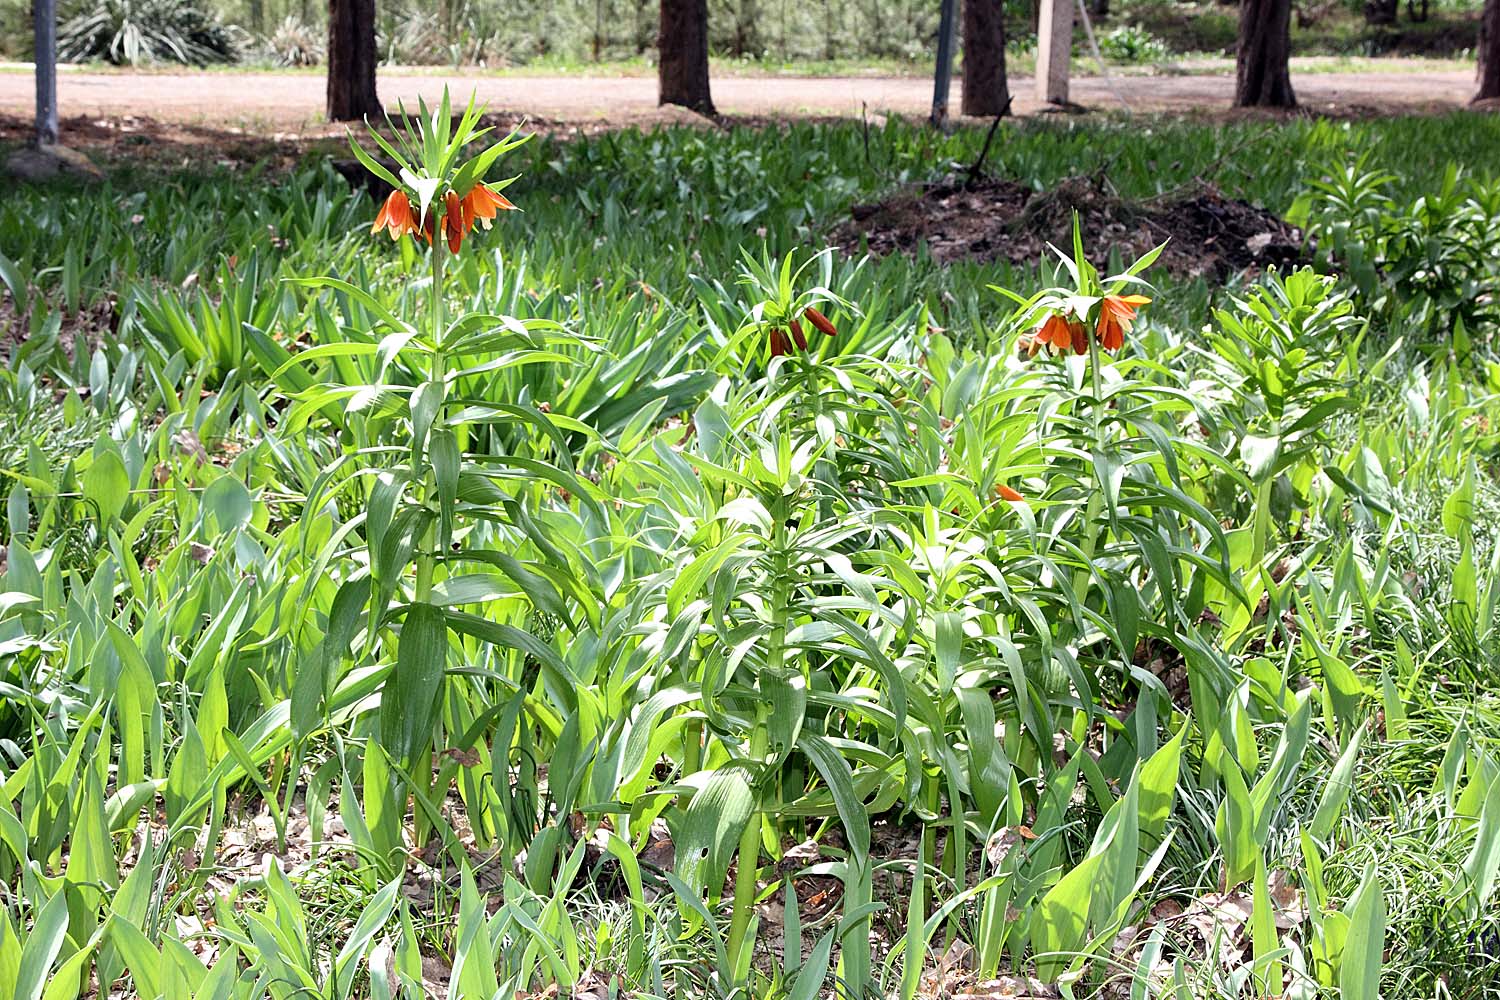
(1062, 333)
(1116, 316)
(439, 190)
(395, 215)
(798, 337)
(482, 203)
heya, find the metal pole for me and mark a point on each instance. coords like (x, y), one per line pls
(944, 72)
(44, 28)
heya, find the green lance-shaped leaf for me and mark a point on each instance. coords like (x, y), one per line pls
(1483, 862)
(1158, 786)
(709, 829)
(408, 704)
(1234, 824)
(107, 484)
(1265, 943)
(1336, 791)
(1364, 948)
(43, 944)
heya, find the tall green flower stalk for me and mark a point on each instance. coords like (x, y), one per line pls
(788, 329)
(758, 743)
(1089, 318)
(439, 196)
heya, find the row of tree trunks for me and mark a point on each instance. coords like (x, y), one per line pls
(1263, 77)
(1263, 67)
(683, 57)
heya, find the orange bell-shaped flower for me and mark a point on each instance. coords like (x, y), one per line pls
(1116, 315)
(395, 215)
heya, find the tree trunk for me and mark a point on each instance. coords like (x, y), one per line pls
(986, 92)
(351, 60)
(682, 48)
(1489, 53)
(1382, 11)
(1264, 78)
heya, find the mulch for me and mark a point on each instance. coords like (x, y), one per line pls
(993, 219)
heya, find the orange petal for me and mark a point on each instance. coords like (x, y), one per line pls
(1080, 337)
(453, 221)
(1055, 332)
(1111, 334)
(1006, 493)
(394, 215)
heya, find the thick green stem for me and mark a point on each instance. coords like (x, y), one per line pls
(748, 862)
(427, 559)
(422, 776)
(1262, 523)
(749, 850)
(1084, 578)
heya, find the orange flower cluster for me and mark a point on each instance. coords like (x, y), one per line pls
(782, 341)
(1061, 333)
(480, 205)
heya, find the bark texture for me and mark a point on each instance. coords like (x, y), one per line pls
(682, 48)
(1489, 52)
(1264, 77)
(986, 90)
(351, 60)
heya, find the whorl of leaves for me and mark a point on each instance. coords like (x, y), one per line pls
(135, 32)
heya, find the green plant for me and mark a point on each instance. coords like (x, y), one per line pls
(134, 32)
(1132, 44)
(1421, 266)
(931, 642)
(296, 43)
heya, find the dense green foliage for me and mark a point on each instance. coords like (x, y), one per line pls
(345, 644)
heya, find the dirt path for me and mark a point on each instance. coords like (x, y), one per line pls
(293, 102)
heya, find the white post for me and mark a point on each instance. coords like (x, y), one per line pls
(1054, 48)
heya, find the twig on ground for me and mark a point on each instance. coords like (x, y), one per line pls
(989, 137)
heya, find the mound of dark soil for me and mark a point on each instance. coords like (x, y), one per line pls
(991, 220)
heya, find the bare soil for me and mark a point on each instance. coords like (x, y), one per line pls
(1205, 232)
